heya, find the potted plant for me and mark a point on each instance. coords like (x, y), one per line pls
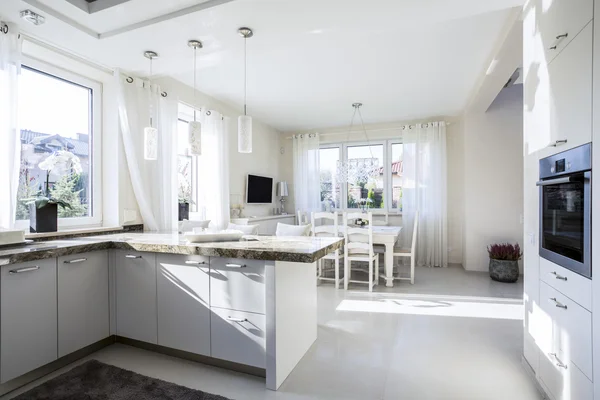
(504, 262)
(184, 195)
(43, 208)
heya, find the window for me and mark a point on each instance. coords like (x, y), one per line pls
(381, 192)
(185, 166)
(59, 116)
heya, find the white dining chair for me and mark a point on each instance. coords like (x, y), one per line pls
(411, 253)
(301, 217)
(359, 247)
(328, 229)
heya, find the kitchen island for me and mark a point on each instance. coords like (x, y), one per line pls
(250, 306)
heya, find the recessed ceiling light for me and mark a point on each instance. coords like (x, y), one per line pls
(33, 17)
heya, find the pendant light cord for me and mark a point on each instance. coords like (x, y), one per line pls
(150, 92)
(245, 73)
(362, 124)
(195, 57)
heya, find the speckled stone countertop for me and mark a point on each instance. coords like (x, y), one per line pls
(268, 248)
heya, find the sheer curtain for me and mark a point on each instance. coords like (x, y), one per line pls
(424, 184)
(213, 168)
(307, 184)
(10, 143)
(154, 182)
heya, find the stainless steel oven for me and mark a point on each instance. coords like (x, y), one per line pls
(566, 208)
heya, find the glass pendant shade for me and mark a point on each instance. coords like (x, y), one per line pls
(150, 143)
(245, 134)
(195, 138)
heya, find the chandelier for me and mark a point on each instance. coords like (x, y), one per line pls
(357, 170)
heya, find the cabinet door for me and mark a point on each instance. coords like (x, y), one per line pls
(237, 284)
(238, 337)
(183, 303)
(83, 309)
(560, 21)
(28, 329)
(136, 295)
(570, 91)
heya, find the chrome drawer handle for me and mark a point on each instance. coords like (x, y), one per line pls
(558, 363)
(235, 265)
(232, 319)
(132, 256)
(559, 39)
(192, 262)
(78, 260)
(558, 303)
(557, 276)
(21, 270)
(558, 143)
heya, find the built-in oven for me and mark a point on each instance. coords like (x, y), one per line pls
(566, 208)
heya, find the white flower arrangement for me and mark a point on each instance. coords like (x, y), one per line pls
(61, 159)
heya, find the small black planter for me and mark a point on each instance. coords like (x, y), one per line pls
(44, 219)
(504, 270)
(184, 211)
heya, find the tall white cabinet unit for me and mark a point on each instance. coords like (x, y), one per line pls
(559, 68)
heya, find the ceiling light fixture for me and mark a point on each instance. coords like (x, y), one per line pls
(194, 127)
(245, 121)
(357, 170)
(150, 132)
(32, 17)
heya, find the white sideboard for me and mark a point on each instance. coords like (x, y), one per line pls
(266, 225)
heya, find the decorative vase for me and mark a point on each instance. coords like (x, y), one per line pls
(184, 211)
(504, 270)
(43, 219)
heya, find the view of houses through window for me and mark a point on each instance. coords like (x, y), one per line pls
(383, 191)
(55, 117)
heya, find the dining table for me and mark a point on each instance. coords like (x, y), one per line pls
(387, 236)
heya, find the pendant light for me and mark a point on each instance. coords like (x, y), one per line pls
(194, 127)
(150, 132)
(245, 121)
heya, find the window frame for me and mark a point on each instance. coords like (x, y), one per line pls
(387, 173)
(187, 118)
(95, 137)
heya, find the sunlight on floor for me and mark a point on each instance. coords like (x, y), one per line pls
(446, 306)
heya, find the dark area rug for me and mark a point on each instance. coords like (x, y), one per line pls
(94, 380)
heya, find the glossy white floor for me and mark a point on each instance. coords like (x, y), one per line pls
(453, 335)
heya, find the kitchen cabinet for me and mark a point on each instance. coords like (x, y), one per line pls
(136, 295)
(237, 284)
(83, 310)
(28, 317)
(183, 303)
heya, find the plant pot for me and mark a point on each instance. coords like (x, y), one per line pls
(504, 270)
(184, 211)
(43, 219)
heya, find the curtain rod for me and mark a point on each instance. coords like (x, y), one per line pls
(399, 127)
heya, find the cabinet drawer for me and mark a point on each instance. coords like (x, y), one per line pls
(238, 337)
(574, 286)
(28, 327)
(83, 308)
(564, 381)
(183, 303)
(559, 18)
(572, 328)
(237, 284)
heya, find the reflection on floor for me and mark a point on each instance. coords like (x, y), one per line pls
(453, 335)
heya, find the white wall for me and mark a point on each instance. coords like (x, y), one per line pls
(493, 177)
(265, 156)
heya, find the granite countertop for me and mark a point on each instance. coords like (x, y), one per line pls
(268, 248)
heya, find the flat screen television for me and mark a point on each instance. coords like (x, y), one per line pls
(259, 190)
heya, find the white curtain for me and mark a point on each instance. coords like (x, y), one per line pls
(154, 182)
(424, 183)
(307, 186)
(213, 168)
(10, 140)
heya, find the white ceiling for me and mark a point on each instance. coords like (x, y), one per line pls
(308, 60)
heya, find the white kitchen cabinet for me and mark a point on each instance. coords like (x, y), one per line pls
(183, 303)
(28, 317)
(237, 284)
(238, 337)
(570, 95)
(571, 284)
(136, 295)
(83, 309)
(560, 21)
